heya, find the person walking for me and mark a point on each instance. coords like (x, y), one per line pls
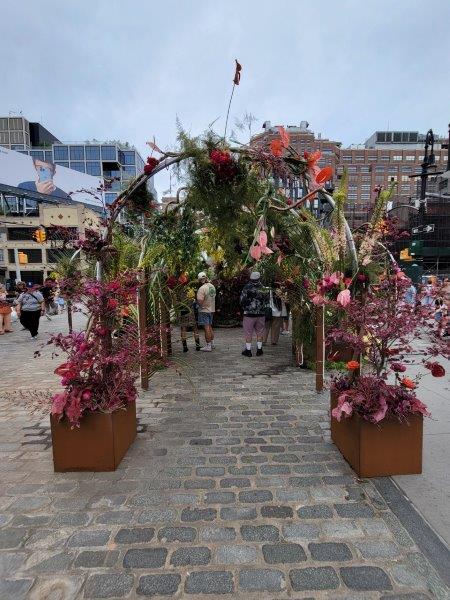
(273, 322)
(255, 302)
(5, 312)
(30, 306)
(206, 300)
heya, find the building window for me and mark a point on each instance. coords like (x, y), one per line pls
(129, 157)
(347, 158)
(61, 153)
(359, 158)
(405, 178)
(34, 255)
(62, 163)
(410, 157)
(78, 166)
(386, 158)
(109, 153)
(364, 169)
(109, 198)
(379, 169)
(48, 156)
(406, 169)
(39, 154)
(351, 169)
(372, 158)
(92, 152)
(393, 169)
(76, 153)
(14, 146)
(365, 196)
(93, 168)
(397, 157)
(20, 233)
(129, 172)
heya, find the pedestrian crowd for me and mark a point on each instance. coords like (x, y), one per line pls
(265, 314)
(434, 295)
(28, 304)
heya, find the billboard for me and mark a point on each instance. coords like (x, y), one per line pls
(24, 172)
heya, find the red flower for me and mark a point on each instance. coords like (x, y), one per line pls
(408, 383)
(352, 365)
(324, 175)
(398, 367)
(112, 304)
(183, 279)
(220, 157)
(276, 147)
(436, 369)
(171, 282)
(151, 164)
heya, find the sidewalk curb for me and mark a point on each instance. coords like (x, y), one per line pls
(429, 542)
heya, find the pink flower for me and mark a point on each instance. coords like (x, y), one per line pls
(317, 299)
(59, 401)
(398, 367)
(260, 247)
(342, 407)
(344, 298)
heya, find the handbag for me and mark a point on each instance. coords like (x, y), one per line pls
(5, 309)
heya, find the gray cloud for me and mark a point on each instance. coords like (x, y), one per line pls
(111, 69)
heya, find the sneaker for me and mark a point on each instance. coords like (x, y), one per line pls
(259, 352)
(206, 349)
(285, 333)
(34, 337)
(247, 352)
(197, 347)
(213, 346)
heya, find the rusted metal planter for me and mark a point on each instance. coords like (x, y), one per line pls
(99, 444)
(389, 448)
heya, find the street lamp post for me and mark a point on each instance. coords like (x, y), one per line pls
(428, 161)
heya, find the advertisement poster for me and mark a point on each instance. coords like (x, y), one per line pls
(23, 171)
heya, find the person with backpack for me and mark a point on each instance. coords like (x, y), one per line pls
(255, 305)
(30, 306)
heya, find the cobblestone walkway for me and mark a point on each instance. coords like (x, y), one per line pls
(232, 489)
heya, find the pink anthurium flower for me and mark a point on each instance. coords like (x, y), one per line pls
(260, 247)
(344, 298)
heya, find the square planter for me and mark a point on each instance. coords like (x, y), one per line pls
(99, 444)
(389, 448)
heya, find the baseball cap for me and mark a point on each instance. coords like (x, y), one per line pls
(255, 275)
(202, 275)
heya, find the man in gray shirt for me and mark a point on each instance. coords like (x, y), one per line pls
(30, 306)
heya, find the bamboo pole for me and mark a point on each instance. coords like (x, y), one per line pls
(320, 348)
(142, 323)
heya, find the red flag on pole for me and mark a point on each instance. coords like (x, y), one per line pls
(237, 73)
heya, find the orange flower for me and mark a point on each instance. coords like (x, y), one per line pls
(312, 157)
(352, 365)
(284, 136)
(324, 175)
(408, 383)
(276, 147)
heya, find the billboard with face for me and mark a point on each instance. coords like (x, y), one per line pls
(23, 171)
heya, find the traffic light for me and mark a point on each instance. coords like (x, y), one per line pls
(405, 255)
(40, 236)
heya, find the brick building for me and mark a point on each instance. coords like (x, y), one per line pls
(386, 156)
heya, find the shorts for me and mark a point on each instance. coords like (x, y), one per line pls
(205, 318)
(254, 324)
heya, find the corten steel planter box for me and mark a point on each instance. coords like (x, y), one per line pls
(99, 444)
(389, 448)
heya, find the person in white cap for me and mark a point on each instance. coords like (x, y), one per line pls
(206, 300)
(254, 302)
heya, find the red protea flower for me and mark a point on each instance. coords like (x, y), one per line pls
(436, 369)
(352, 365)
(151, 164)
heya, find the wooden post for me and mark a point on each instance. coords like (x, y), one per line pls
(320, 348)
(142, 322)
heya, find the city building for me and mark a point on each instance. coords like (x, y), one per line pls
(116, 162)
(23, 211)
(386, 157)
(18, 225)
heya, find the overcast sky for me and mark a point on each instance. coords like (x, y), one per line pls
(116, 69)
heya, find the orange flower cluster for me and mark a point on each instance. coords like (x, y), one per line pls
(352, 365)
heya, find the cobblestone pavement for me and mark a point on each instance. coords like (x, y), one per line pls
(232, 489)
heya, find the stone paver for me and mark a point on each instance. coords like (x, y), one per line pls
(231, 489)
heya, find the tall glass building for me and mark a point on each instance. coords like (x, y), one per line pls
(117, 163)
